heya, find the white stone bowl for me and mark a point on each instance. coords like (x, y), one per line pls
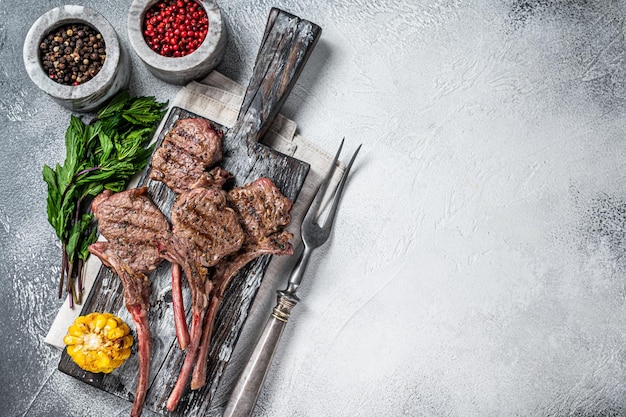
(93, 94)
(183, 69)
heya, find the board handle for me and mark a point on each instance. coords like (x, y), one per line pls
(286, 46)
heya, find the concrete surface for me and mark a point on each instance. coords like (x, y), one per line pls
(477, 267)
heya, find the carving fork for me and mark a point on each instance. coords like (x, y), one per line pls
(248, 387)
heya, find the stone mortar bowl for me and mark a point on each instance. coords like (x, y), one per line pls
(93, 94)
(179, 70)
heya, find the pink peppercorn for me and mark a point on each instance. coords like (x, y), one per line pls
(175, 28)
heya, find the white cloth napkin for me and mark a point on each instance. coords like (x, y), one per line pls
(218, 98)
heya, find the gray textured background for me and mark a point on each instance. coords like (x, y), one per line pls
(477, 267)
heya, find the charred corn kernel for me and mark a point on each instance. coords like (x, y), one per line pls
(98, 342)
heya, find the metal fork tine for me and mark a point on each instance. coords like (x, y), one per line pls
(321, 190)
(339, 191)
(313, 235)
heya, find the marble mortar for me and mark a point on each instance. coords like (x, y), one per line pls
(184, 69)
(91, 95)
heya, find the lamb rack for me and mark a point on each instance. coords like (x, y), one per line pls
(263, 212)
(188, 149)
(204, 230)
(132, 225)
(214, 234)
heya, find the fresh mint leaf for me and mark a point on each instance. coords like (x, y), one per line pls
(103, 154)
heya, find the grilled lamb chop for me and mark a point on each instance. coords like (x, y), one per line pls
(204, 230)
(263, 211)
(132, 225)
(225, 271)
(262, 208)
(210, 237)
(190, 147)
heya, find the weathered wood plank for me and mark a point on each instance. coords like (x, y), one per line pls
(286, 46)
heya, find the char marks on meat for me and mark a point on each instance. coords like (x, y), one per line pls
(225, 271)
(214, 234)
(132, 225)
(262, 208)
(204, 227)
(204, 231)
(215, 178)
(263, 211)
(188, 149)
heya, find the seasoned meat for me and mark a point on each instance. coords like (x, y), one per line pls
(225, 271)
(263, 211)
(188, 149)
(180, 162)
(204, 231)
(136, 284)
(205, 227)
(215, 178)
(262, 208)
(214, 234)
(132, 225)
(131, 222)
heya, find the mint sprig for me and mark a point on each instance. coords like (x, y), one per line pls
(103, 154)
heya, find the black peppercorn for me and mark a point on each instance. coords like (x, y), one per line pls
(72, 54)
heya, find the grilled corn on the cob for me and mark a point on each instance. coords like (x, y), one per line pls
(98, 342)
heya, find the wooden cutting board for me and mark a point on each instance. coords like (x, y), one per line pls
(287, 43)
